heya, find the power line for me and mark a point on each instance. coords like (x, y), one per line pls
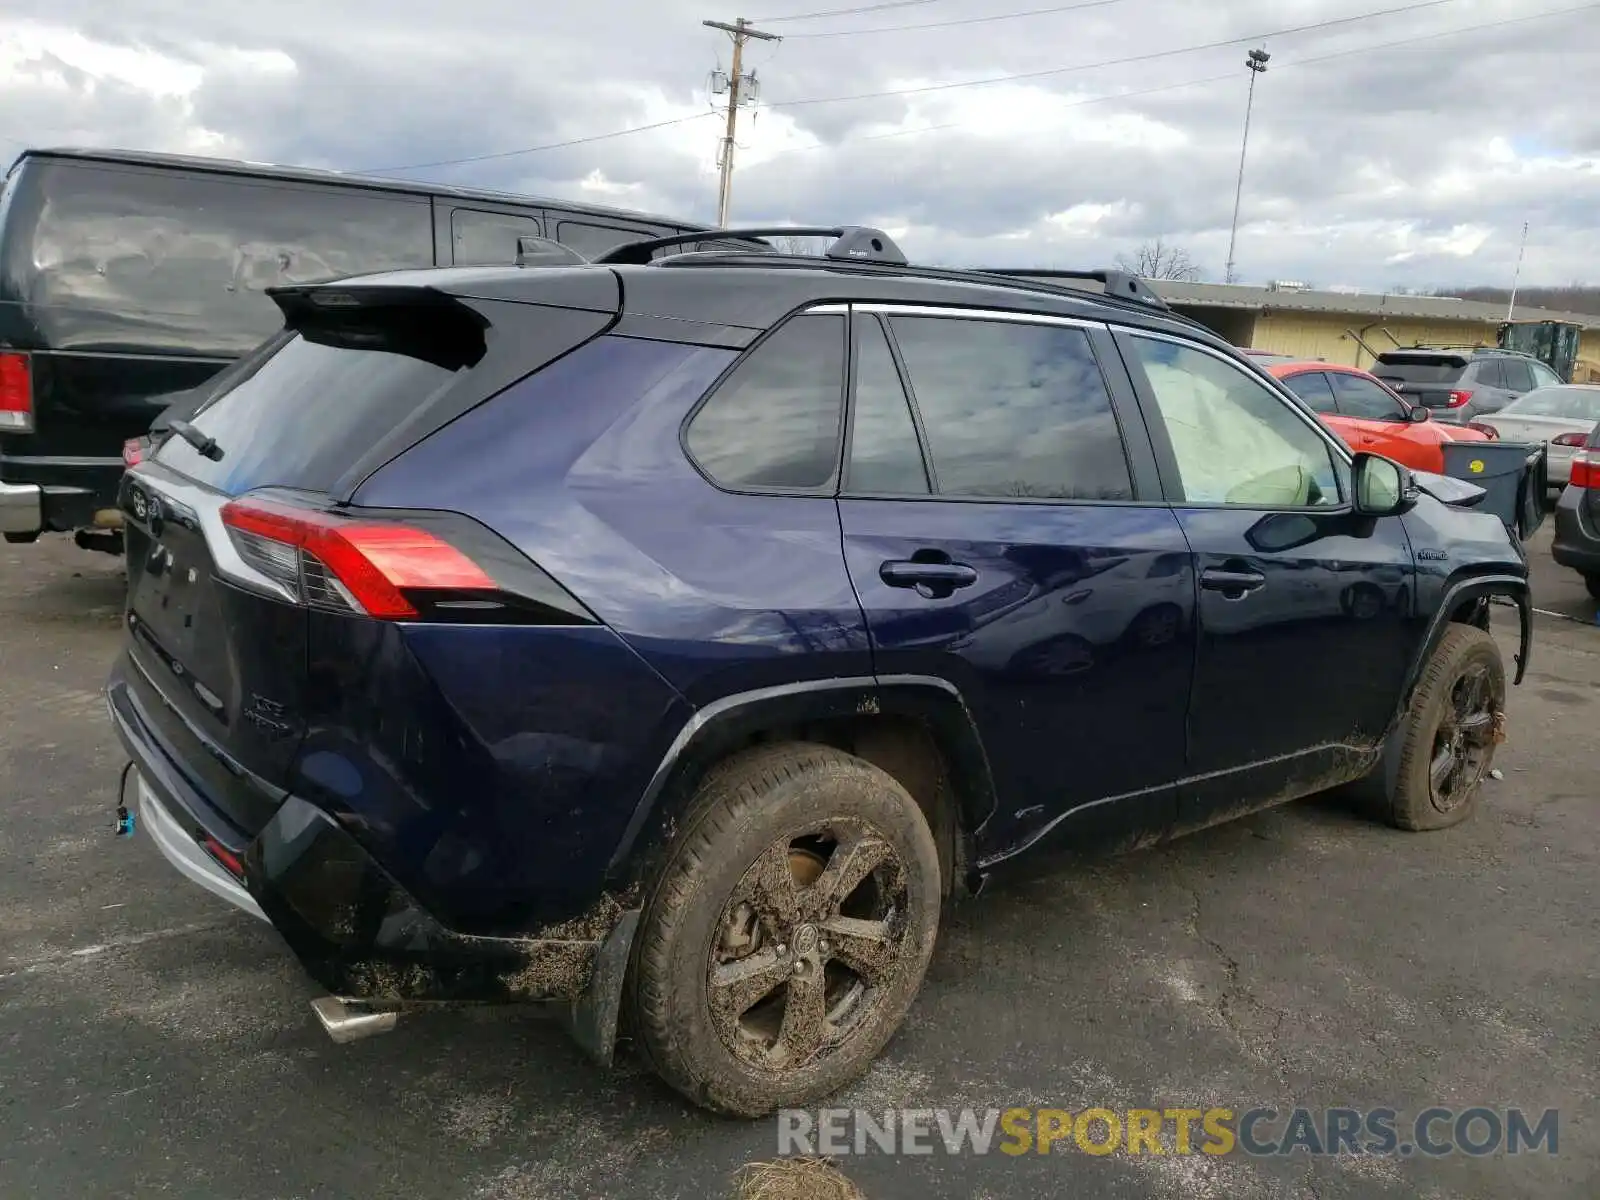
(1209, 79)
(581, 141)
(845, 12)
(1035, 12)
(600, 137)
(1113, 62)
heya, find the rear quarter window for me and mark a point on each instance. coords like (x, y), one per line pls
(179, 262)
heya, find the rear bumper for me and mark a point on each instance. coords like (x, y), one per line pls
(1577, 540)
(356, 932)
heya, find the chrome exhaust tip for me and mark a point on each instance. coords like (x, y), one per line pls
(346, 1020)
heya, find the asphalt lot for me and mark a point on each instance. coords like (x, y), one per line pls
(155, 1043)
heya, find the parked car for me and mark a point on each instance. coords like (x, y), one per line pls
(1560, 415)
(1368, 416)
(127, 280)
(1461, 384)
(675, 638)
(1577, 540)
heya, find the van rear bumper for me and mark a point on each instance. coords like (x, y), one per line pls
(21, 508)
(44, 495)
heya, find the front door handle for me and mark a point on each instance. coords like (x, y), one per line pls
(1234, 585)
(930, 579)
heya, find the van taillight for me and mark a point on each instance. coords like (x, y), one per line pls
(16, 393)
(1586, 469)
(345, 565)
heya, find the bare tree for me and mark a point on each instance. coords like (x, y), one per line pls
(789, 244)
(1159, 259)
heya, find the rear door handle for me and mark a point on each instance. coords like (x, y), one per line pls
(1234, 585)
(929, 578)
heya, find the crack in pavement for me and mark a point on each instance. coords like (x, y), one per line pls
(1234, 991)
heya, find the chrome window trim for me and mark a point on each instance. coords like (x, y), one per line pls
(903, 309)
(207, 505)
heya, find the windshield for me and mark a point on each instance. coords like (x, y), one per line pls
(1570, 403)
(1419, 368)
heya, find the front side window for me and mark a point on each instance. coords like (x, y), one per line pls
(1362, 398)
(1235, 441)
(1013, 410)
(1543, 376)
(774, 422)
(1312, 387)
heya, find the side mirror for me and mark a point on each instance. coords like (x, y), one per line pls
(1420, 414)
(1382, 486)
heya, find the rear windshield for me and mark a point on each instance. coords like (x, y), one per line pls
(303, 414)
(1569, 403)
(1419, 368)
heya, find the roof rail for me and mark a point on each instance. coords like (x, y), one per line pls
(852, 243)
(1116, 283)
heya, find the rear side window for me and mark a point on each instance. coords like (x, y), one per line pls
(303, 414)
(884, 453)
(774, 423)
(485, 239)
(1518, 377)
(1013, 410)
(1488, 372)
(1420, 368)
(174, 261)
(1312, 387)
(592, 241)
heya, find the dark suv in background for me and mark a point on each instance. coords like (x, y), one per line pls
(129, 279)
(1461, 384)
(672, 638)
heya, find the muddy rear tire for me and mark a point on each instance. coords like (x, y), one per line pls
(1450, 732)
(787, 935)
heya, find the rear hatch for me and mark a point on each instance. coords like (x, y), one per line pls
(234, 534)
(1427, 379)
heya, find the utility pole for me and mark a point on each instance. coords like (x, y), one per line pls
(1516, 275)
(738, 83)
(1257, 62)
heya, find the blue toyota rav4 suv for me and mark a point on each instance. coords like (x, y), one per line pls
(672, 638)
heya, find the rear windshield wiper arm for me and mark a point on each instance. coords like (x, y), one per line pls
(205, 445)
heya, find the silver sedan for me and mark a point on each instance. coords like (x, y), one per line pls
(1560, 415)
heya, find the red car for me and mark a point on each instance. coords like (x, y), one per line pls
(1368, 416)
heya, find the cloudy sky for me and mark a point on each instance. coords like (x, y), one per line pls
(1385, 150)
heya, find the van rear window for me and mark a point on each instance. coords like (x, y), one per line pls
(176, 261)
(303, 414)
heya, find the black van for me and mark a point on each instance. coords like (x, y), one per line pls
(128, 279)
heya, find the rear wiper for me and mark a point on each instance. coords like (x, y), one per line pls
(205, 445)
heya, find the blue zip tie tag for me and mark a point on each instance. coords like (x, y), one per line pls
(125, 823)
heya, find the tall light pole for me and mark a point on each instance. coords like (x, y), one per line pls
(1257, 62)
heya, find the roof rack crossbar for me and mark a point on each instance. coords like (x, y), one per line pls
(1116, 283)
(852, 243)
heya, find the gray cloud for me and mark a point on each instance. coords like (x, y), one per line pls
(1412, 165)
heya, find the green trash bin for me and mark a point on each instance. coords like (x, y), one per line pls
(1512, 474)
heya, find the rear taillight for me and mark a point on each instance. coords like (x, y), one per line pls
(1586, 469)
(16, 393)
(356, 566)
(1458, 397)
(1488, 431)
(1579, 440)
(133, 452)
